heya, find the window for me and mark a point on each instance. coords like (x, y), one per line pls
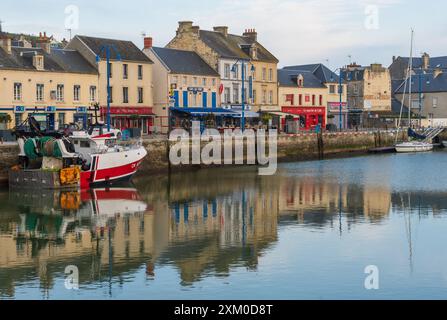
(236, 72)
(140, 95)
(175, 79)
(264, 96)
(76, 93)
(264, 74)
(356, 88)
(321, 100)
(17, 91)
(92, 93)
(300, 99)
(254, 96)
(415, 104)
(125, 95)
(435, 102)
(18, 119)
(140, 72)
(110, 70)
(270, 74)
(235, 93)
(39, 92)
(84, 144)
(227, 95)
(204, 82)
(289, 98)
(307, 98)
(125, 71)
(60, 92)
(332, 89)
(185, 80)
(313, 100)
(195, 81)
(227, 71)
(61, 119)
(271, 97)
(111, 94)
(214, 82)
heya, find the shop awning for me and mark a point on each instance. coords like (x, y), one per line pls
(204, 111)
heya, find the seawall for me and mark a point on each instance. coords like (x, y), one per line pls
(290, 148)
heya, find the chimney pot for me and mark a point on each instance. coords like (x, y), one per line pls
(223, 30)
(148, 42)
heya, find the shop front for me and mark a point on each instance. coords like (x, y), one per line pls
(308, 118)
(130, 117)
(334, 115)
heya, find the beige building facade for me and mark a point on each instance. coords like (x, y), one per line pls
(232, 56)
(182, 79)
(130, 80)
(57, 86)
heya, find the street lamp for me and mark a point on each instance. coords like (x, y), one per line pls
(107, 48)
(233, 69)
(340, 92)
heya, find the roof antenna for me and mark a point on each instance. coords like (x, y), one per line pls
(1, 30)
(69, 31)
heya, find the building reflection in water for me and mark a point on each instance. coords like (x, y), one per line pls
(202, 223)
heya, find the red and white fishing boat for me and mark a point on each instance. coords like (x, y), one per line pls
(103, 160)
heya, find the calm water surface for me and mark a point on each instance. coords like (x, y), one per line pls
(306, 233)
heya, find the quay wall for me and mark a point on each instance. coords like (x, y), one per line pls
(290, 148)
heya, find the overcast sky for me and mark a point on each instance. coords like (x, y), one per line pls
(295, 31)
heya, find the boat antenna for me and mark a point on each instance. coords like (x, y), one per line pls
(411, 75)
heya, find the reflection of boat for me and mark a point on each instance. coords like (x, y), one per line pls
(59, 211)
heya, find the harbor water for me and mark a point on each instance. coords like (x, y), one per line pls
(308, 232)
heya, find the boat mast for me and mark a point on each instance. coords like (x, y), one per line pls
(411, 74)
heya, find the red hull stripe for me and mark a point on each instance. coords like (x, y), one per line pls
(116, 172)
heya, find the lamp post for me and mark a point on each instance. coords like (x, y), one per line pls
(234, 68)
(107, 48)
(340, 93)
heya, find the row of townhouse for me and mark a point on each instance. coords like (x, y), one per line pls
(60, 82)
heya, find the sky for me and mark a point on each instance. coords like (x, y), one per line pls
(333, 32)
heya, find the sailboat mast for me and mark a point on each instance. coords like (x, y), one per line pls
(411, 82)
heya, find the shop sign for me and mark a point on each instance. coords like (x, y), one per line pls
(19, 109)
(50, 109)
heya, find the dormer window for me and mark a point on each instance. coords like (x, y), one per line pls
(38, 62)
(300, 80)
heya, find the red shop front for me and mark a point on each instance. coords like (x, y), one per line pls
(130, 117)
(309, 117)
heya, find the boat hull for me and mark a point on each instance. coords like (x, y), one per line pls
(413, 147)
(113, 168)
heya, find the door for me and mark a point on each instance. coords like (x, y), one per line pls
(50, 121)
(214, 100)
(185, 99)
(205, 99)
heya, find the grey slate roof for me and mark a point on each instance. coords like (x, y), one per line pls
(230, 46)
(288, 78)
(440, 62)
(323, 73)
(184, 62)
(127, 49)
(59, 60)
(427, 82)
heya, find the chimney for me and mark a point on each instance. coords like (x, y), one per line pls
(184, 26)
(251, 33)
(44, 42)
(223, 30)
(394, 58)
(147, 42)
(5, 43)
(437, 72)
(425, 61)
(195, 29)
